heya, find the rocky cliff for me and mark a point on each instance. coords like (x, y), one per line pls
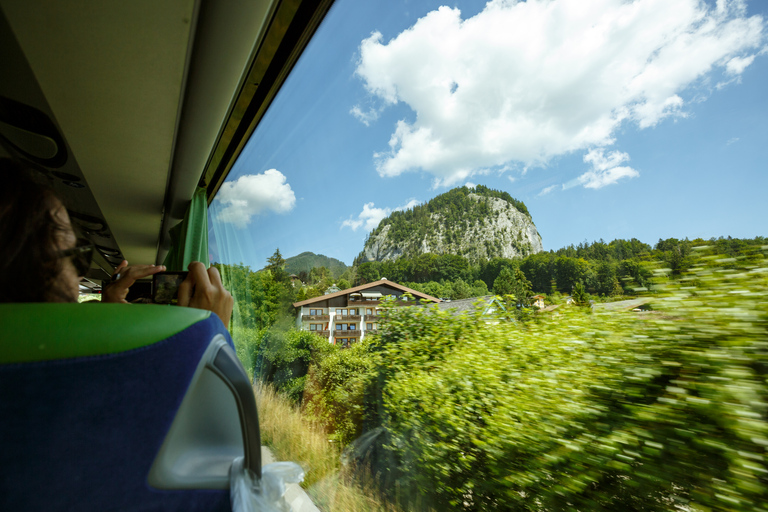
(477, 223)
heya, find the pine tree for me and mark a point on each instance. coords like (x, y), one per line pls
(276, 265)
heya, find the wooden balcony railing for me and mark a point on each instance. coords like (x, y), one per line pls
(316, 318)
(348, 333)
(373, 318)
(347, 318)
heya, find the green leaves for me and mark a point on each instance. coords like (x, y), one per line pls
(612, 410)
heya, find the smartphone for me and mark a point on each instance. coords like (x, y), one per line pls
(165, 287)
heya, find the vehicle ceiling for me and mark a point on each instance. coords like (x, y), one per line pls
(146, 100)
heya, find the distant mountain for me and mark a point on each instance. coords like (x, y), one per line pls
(309, 260)
(477, 223)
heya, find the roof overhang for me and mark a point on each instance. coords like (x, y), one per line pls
(358, 290)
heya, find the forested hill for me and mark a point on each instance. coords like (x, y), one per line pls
(306, 261)
(476, 223)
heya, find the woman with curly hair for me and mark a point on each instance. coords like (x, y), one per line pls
(41, 259)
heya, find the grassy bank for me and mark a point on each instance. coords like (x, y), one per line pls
(291, 437)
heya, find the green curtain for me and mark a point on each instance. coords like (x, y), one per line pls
(189, 238)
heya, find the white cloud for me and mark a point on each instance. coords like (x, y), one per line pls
(526, 81)
(732, 140)
(252, 194)
(547, 190)
(605, 168)
(364, 117)
(737, 65)
(469, 184)
(370, 217)
(407, 206)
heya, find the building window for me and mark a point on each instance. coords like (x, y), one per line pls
(341, 327)
(352, 327)
(315, 311)
(341, 312)
(369, 326)
(344, 342)
(369, 311)
(352, 311)
(315, 327)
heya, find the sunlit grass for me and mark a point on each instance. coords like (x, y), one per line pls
(292, 438)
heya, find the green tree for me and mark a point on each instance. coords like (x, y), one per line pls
(276, 265)
(580, 295)
(479, 288)
(504, 283)
(368, 272)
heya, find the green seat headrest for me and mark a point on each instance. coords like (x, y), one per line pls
(46, 331)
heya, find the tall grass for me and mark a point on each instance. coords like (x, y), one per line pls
(294, 438)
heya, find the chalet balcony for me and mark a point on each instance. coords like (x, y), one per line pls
(316, 318)
(373, 318)
(348, 333)
(323, 334)
(347, 318)
(363, 302)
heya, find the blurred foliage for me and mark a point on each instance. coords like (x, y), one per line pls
(602, 411)
(575, 410)
(335, 388)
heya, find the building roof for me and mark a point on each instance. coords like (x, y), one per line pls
(366, 286)
(624, 304)
(487, 304)
(459, 306)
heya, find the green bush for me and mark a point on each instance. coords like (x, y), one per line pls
(279, 356)
(247, 342)
(335, 387)
(612, 411)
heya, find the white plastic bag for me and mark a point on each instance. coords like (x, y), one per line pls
(249, 494)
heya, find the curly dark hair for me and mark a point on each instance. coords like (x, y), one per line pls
(29, 256)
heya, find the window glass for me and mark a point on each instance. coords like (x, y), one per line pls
(605, 122)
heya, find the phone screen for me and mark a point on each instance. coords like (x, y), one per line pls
(165, 287)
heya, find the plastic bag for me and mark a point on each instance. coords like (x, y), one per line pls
(249, 494)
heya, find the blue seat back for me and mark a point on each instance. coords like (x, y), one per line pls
(89, 395)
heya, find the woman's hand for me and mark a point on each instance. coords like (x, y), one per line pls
(123, 277)
(202, 289)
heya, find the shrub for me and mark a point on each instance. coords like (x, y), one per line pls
(247, 342)
(334, 392)
(611, 410)
(282, 357)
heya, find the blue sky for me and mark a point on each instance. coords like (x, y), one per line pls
(609, 119)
